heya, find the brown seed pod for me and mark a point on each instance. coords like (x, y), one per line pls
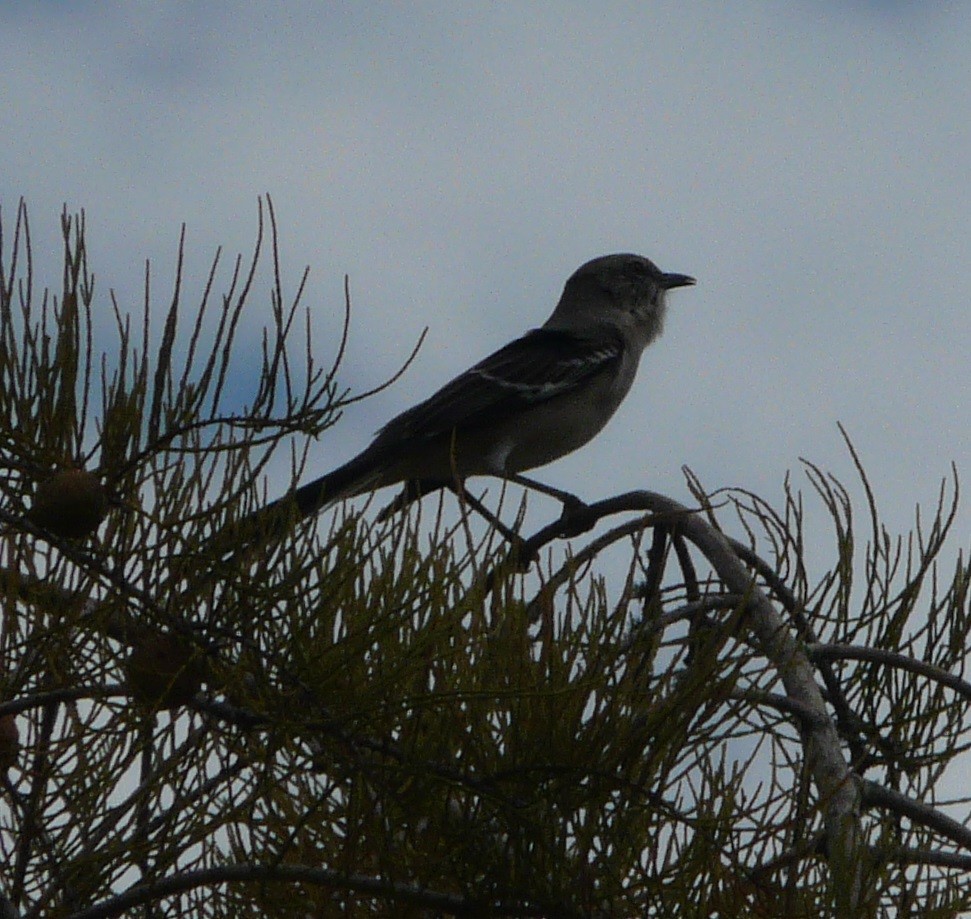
(164, 670)
(71, 503)
(9, 741)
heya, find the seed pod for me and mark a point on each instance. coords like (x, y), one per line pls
(71, 503)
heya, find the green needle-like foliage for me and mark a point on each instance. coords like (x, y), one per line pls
(408, 716)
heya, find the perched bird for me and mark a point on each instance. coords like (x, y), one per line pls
(539, 398)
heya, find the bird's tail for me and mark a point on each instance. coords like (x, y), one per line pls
(361, 474)
(276, 519)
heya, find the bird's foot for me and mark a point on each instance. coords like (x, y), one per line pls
(577, 517)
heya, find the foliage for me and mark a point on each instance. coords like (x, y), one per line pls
(387, 716)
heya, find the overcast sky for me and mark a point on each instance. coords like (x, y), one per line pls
(809, 162)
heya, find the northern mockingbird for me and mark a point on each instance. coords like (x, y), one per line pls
(539, 398)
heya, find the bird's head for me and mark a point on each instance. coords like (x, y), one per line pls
(623, 289)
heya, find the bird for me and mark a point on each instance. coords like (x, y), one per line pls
(533, 401)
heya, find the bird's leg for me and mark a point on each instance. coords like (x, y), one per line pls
(398, 503)
(413, 491)
(416, 490)
(576, 517)
(517, 543)
(567, 499)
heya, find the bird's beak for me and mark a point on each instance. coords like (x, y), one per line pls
(676, 280)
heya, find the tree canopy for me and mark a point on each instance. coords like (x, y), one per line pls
(643, 707)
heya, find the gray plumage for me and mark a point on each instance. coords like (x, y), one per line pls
(531, 402)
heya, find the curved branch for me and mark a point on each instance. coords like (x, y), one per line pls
(836, 652)
(846, 719)
(838, 791)
(150, 892)
(876, 795)
(835, 783)
(906, 855)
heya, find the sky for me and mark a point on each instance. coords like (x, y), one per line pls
(807, 162)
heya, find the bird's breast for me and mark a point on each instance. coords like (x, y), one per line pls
(561, 425)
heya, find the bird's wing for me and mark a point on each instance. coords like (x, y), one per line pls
(543, 364)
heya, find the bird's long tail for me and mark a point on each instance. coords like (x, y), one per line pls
(276, 519)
